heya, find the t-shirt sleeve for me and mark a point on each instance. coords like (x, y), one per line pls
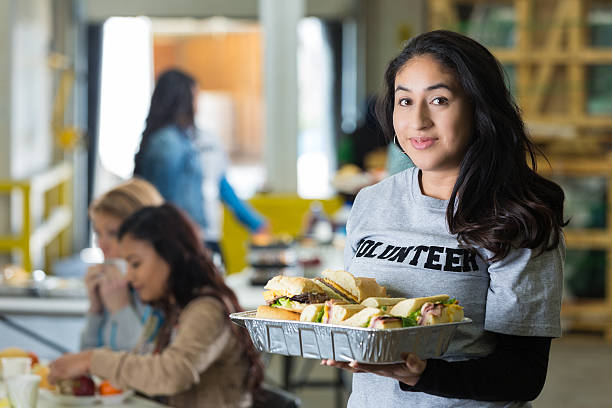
(524, 296)
(353, 224)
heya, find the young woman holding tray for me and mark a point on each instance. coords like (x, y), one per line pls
(473, 219)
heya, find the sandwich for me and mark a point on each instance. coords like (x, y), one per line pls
(293, 293)
(335, 312)
(372, 317)
(312, 313)
(426, 311)
(386, 322)
(362, 318)
(268, 312)
(348, 287)
(383, 303)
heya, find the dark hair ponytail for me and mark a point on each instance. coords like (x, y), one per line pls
(498, 201)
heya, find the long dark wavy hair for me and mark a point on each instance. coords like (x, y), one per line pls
(192, 273)
(499, 202)
(172, 103)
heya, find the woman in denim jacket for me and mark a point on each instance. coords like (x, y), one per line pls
(177, 158)
(168, 157)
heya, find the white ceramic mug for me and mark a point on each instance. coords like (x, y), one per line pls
(22, 390)
(13, 366)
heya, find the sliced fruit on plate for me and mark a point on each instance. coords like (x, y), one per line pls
(107, 389)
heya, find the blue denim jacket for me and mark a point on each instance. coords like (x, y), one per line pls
(171, 163)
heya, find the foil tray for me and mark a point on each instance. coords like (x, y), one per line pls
(342, 343)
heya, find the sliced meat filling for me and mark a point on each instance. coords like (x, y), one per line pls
(307, 298)
(434, 309)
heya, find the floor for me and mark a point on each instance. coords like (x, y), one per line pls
(579, 376)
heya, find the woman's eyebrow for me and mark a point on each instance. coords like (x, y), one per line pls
(429, 88)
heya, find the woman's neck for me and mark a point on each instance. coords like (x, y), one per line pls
(437, 184)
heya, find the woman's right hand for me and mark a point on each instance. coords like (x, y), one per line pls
(93, 278)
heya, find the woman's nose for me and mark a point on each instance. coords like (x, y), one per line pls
(420, 116)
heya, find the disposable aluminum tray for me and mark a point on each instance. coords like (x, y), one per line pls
(341, 343)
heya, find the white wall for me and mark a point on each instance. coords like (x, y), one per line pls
(25, 93)
(31, 139)
(6, 12)
(5, 112)
(99, 10)
(384, 19)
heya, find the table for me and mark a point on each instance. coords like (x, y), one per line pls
(43, 306)
(131, 402)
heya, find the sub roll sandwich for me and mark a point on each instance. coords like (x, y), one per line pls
(343, 285)
(425, 311)
(289, 294)
(293, 294)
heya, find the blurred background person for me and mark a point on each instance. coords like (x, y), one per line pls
(197, 356)
(188, 166)
(114, 318)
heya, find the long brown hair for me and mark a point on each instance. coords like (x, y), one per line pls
(499, 202)
(172, 103)
(192, 272)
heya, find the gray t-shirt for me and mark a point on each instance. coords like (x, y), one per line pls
(400, 237)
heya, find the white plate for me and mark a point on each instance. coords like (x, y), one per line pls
(74, 401)
(115, 398)
(67, 400)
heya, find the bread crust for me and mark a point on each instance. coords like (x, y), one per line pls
(268, 312)
(340, 312)
(405, 307)
(361, 318)
(359, 289)
(311, 311)
(381, 301)
(450, 314)
(292, 285)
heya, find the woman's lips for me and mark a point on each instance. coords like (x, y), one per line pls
(421, 143)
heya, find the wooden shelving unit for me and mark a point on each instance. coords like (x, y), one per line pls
(551, 56)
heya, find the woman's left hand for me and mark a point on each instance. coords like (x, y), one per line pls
(408, 372)
(70, 366)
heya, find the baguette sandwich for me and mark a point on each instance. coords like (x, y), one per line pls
(343, 285)
(372, 317)
(312, 313)
(425, 311)
(383, 303)
(335, 312)
(268, 312)
(293, 293)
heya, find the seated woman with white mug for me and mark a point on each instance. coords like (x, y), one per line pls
(114, 319)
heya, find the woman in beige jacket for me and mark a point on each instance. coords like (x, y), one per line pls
(196, 357)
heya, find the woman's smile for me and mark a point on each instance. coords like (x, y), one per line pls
(422, 143)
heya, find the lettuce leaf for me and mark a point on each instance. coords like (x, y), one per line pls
(284, 302)
(319, 316)
(411, 320)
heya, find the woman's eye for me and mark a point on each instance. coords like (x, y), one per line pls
(135, 265)
(404, 102)
(440, 100)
